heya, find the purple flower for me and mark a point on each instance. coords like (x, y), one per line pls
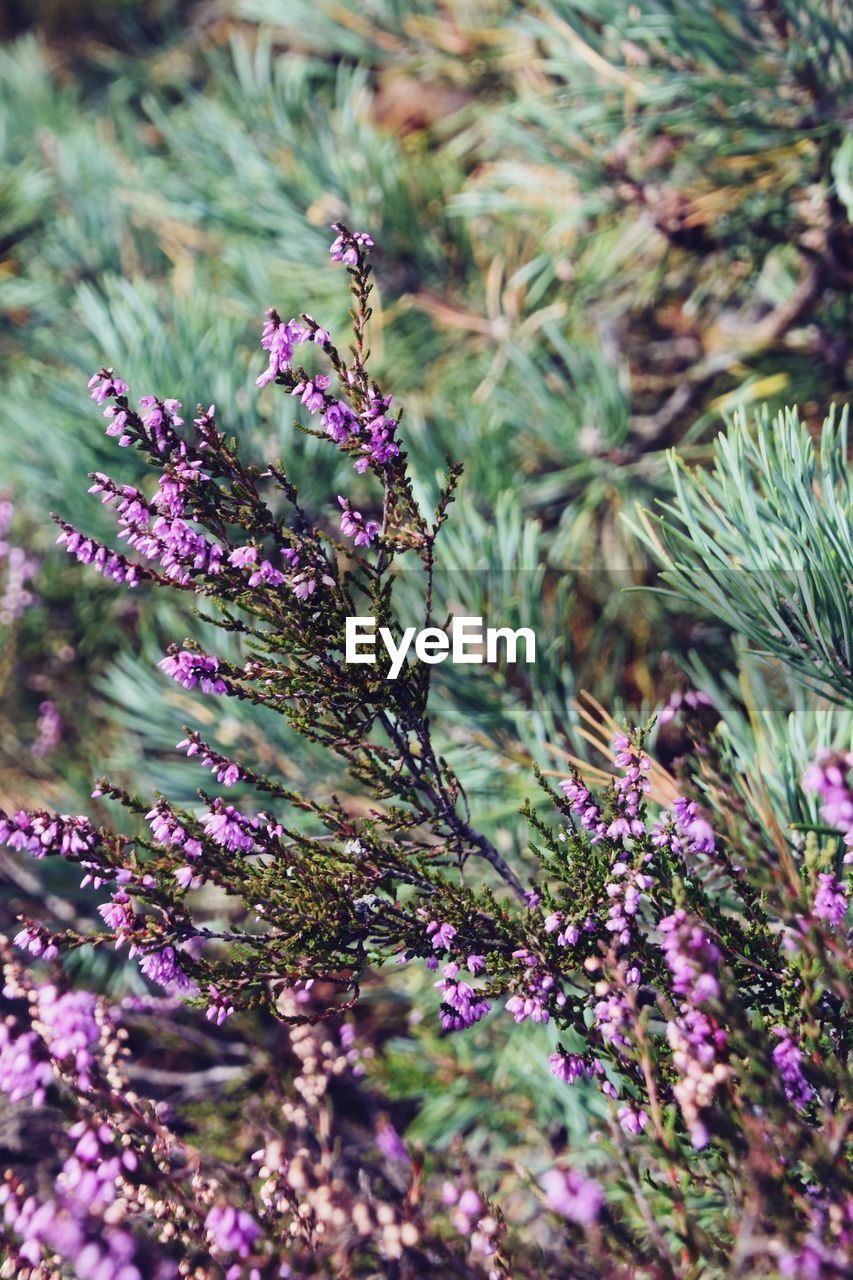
(632, 1119)
(278, 339)
(354, 526)
(573, 1196)
(313, 393)
(380, 427)
(188, 878)
(697, 1044)
(612, 1018)
(36, 940)
(390, 1143)
(347, 243)
(692, 698)
(161, 418)
(339, 422)
(165, 827)
(219, 1007)
(533, 992)
(584, 808)
(470, 1203)
(303, 585)
(162, 967)
(107, 562)
(69, 1027)
(191, 669)
(696, 832)
(829, 776)
(104, 384)
(225, 770)
(570, 1067)
(19, 569)
(266, 573)
(118, 914)
(321, 336)
(691, 957)
(118, 420)
(461, 1004)
(229, 828)
(24, 1069)
(18, 833)
(240, 557)
(830, 903)
(49, 725)
(442, 935)
(179, 549)
(524, 1006)
(39, 834)
(231, 1230)
(787, 1059)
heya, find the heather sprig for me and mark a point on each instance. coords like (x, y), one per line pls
(134, 1199)
(237, 534)
(700, 987)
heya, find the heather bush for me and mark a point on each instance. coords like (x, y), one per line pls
(686, 946)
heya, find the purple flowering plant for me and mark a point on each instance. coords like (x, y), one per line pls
(694, 977)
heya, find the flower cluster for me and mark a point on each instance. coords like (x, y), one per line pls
(461, 1006)
(570, 1194)
(831, 776)
(69, 1027)
(231, 1231)
(230, 829)
(535, 990)
(697, 1040)
(39, 834)
(49, 726)
(347, 243)
(585, 809)
(224, 770)
(88, 551)
(472, 1218)
(830, 900)
(119, 1162)
(787, 1059)
(194, 670)
(354, 526)
(279, 338)
(17, 569)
